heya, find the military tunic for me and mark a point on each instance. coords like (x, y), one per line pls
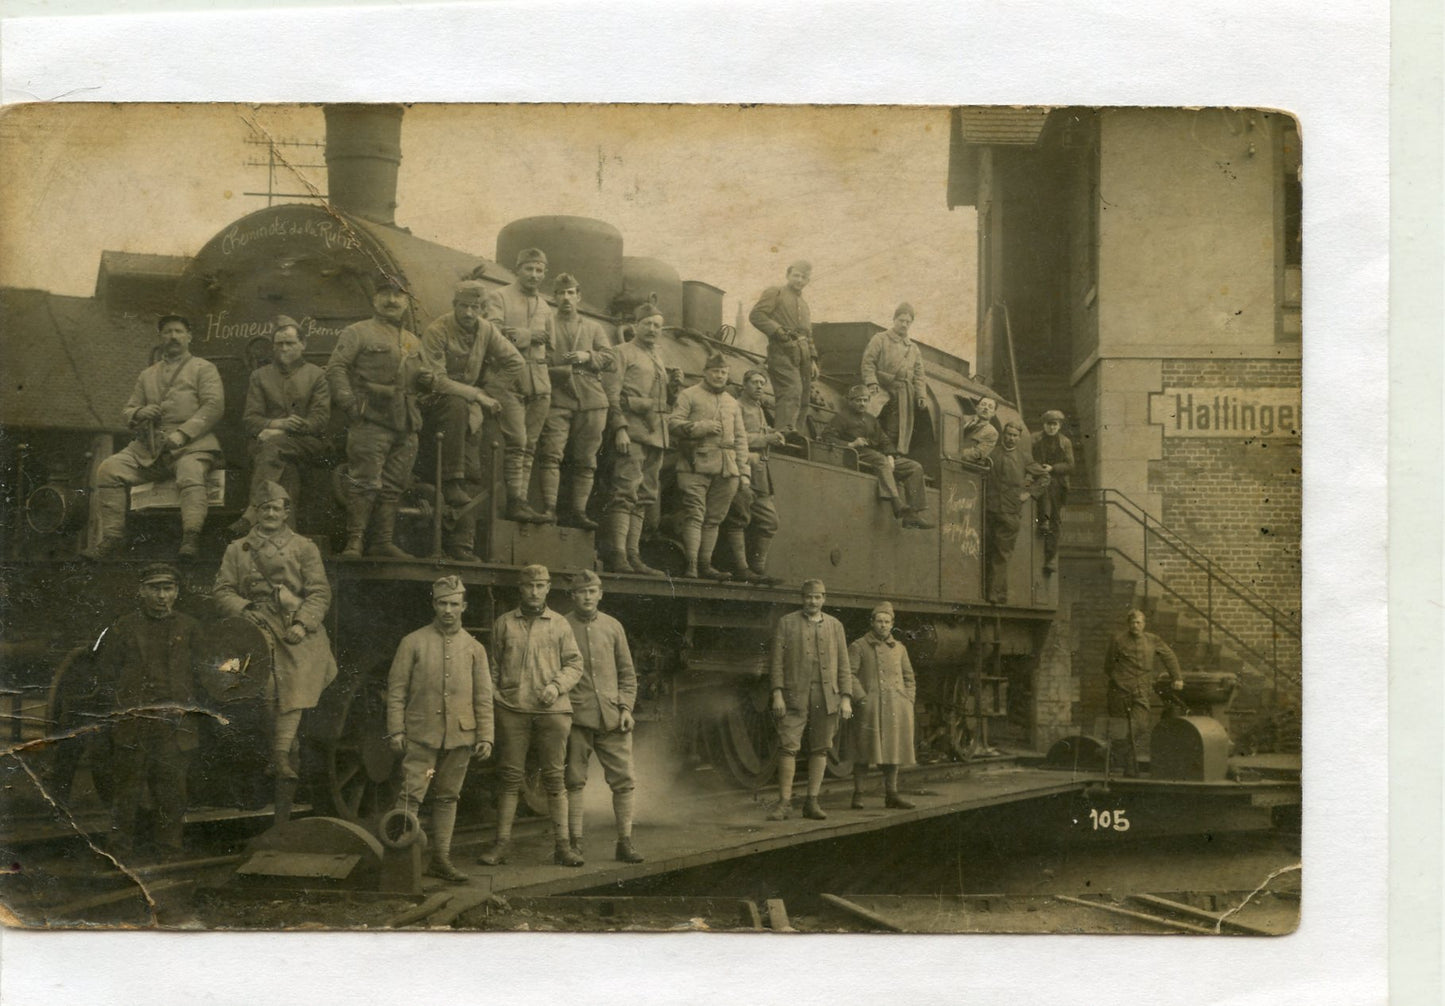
(783, 316)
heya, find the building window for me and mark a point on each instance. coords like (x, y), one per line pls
(1289, 202)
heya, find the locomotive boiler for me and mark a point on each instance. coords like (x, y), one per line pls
(701, 646)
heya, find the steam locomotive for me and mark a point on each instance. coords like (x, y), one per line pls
(701, 647)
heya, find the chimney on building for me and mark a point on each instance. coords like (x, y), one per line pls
(363, 153)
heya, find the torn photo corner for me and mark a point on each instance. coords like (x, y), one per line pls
(652, 518)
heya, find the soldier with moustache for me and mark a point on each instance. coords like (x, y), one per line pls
(752, 520)
(712, 461)
(783, 316)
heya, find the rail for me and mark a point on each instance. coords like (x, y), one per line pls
(1218, 583)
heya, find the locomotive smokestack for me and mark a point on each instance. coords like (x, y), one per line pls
(363, 153)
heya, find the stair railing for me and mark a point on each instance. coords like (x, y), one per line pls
(1216, 579)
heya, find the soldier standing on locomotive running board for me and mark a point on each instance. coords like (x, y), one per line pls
(893, 362)
(275, 577)
(1055, 453)
(712, 461)
(752, 521)
(439, 716)
(602, 721)
(288, 404)
(172, 411)
(782, 315)
(535, 665)
(1013, 479)
(884, 690)
(577, 418)
(146, 665)
(639, 437)
(1130, 671)
(525, 317)
(376, 372)
(812, 682)
(465, 346)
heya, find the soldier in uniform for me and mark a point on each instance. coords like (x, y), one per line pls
(853, 426)
(1013, 480)
(1054, 452)
(465, 346)
(176, 404)
(602, 722)
(376, 372)
(712, 449)
(812, 683)
(146, 664)
(439, 716)
(884, 690)
(535, 665)
(1130, 670)
(288, 404)
(752, 521)
(639, 436)
(893, 362)
(782, 315)
(980, 435)
(525, 317)
(577, 418)
(275, 577)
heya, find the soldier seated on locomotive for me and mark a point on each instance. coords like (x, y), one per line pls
(980, 435)
(639, 436)
(146, 664)
(577, 416)
(377, 372)
(712, 461)
(439, 716)
(893, 362)
(275, 577)
(853, 426)
(288, 404)
(465, 346)
(524, 317)
(782, 315)
(172, 412)
(752, 520)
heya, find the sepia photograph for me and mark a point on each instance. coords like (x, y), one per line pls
(652, 518)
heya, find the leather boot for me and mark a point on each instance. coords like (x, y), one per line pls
(285, 795)
(518, 510)
(612, 541)
(634, 547)
(443, 823)
(706, 547)
(551, 480)
(458, 540)
(691, 546)
(190, 545)
(737, 543)
(454, 492)
(574, 820)
(893, 800)
(383, 523)
(625, 853)
(193, 518)
(576, 515)
(914, 519)
(496, 854)
(812, 811)
(109, 505)
(563, 853)
(758, 562)
(358, 515)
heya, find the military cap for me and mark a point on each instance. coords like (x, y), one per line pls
(285, 321)
(531, 255)
(882, 608)
(803, 266)
(859, 389)
(646, 310)
(470, 291)
(565, 281)
(267, 490)
(161, 322)
(532, 572)
(1053, 416)
(813, 582)
(905, 308)
(448, 586)
(715, 359)
(1014, 424)
(585, 579)
(384, 280)
(159, 572)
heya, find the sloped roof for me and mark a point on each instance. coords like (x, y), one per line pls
(66, 362)
(990, 126)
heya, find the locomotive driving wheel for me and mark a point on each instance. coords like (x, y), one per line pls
(357, 782)
(744, 742)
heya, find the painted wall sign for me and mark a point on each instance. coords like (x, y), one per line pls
(1227, 412)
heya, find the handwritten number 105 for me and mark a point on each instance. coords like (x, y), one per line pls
(1105, 820)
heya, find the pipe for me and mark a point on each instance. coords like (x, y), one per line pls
(363, 154)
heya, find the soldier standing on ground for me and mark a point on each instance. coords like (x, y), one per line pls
(439, 716)
(468, 349)
(146, 665)
(712, 462)
(577, 417)
(602, 721)
(1055, 452)
(782, 315)
(812, 683)
(176, 404)
(535, 665)
(638, 427)
(288, 404)
(884, 690)
(893, 362)
(752, 521)
(275, 577)
(1130, 670)
(525, 317)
